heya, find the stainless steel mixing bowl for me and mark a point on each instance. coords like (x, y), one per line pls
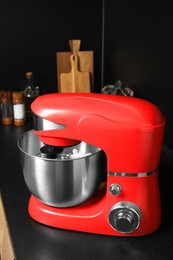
(61, 182)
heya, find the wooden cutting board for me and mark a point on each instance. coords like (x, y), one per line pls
(75, 81)
(85, 63)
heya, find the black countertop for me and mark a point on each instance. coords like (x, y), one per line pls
(32, 240)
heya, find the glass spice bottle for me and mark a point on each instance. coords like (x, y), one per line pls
(18, 108)
(7, 108)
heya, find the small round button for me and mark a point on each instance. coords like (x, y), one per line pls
(115, 189)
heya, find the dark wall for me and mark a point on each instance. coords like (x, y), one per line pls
(137, 45)
(139, 52)
(31, 32)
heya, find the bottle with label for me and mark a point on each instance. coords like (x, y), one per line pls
(30, 93)
(18, 108)
(7, 108)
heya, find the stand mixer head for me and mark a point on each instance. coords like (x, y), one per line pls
(124, 136)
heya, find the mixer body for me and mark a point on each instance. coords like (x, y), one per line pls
(130, 131)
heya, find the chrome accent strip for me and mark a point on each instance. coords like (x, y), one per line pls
(44, 124)
(128, 174)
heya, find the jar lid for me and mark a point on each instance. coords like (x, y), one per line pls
(17, 95)
(29, 74)
(6, 95)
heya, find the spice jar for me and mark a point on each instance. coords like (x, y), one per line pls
(6, 108)
(18, 108)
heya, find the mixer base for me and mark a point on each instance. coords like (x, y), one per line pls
(90, 217)
(86, 217)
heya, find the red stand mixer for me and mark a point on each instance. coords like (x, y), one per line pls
(91, 163)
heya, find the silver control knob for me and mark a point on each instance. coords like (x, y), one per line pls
(115, 189)
(125, 217)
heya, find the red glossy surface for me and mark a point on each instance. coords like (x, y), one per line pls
(92, 216)
(130, 131)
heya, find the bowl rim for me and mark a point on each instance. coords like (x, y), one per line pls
(56, 159)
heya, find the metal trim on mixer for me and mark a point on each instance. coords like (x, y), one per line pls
(128, 174)
(44, 124)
